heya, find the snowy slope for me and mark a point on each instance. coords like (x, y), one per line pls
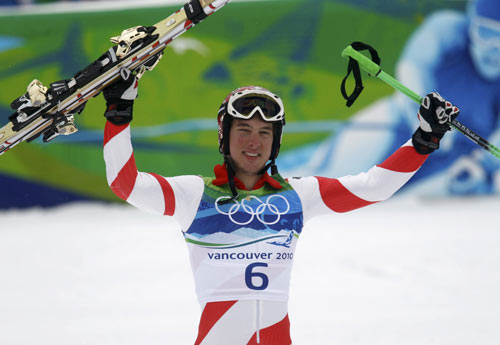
(403, 272)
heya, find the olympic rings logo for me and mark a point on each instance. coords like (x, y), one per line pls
(258, 212)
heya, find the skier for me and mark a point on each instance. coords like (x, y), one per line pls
(236, 223)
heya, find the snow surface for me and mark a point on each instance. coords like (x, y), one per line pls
(402, 272)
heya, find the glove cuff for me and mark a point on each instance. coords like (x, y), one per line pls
(425, 142)
(119, 113)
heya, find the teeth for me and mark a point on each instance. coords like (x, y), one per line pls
(251, 154)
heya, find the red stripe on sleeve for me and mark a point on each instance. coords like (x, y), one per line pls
(337, 197)
(124, 183)
(404, 160)
(277, 334)
(111, 130)
(168, 194)
(211, 314)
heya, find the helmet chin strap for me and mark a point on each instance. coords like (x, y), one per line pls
(231, 170)
(230, 177)
(272, 165)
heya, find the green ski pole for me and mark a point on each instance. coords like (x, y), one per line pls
(373, 69)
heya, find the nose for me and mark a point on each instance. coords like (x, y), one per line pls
(254, 140)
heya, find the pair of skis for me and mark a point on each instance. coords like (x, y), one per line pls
(49, 111)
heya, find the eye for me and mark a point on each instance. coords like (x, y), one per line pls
(243, 130)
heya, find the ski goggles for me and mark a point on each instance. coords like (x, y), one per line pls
(244, 104)
(485, 31)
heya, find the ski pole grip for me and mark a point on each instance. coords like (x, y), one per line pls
(369, 66)
(364, 62)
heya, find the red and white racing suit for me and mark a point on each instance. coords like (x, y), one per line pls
(242, 252)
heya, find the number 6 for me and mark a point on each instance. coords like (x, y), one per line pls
(249, 275)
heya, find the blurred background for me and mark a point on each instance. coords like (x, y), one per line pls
(292, 49)
(77, 266)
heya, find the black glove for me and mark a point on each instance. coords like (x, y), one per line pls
(434, 114)
(120, 98)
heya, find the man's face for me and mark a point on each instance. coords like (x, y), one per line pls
(250, 143)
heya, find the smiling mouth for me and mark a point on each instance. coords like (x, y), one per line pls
(251, 154)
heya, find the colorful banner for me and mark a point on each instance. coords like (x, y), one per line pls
(292, 48)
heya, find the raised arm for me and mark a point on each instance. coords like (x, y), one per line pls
(173, 196)
(320, 195)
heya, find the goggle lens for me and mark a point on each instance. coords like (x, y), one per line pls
(245, 105)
